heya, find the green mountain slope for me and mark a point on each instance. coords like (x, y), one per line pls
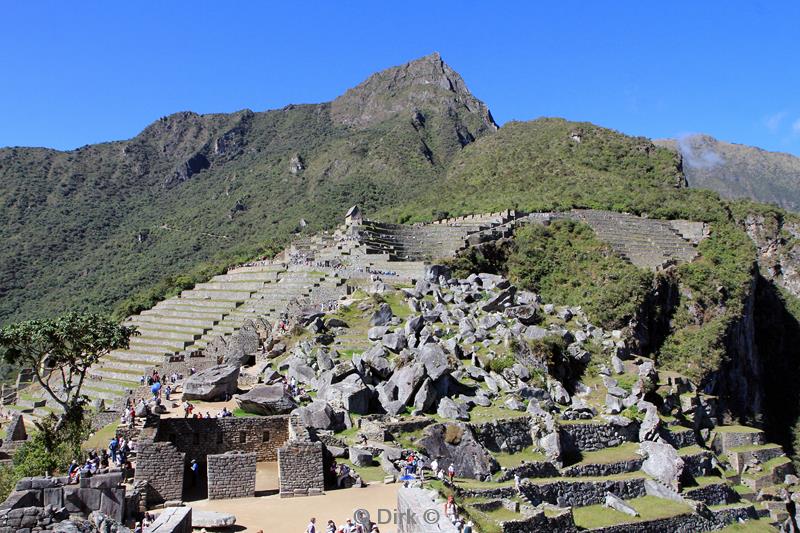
(555, 164)
(86, 228)
(739, 171)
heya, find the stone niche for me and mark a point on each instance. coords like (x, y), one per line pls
(231, 475)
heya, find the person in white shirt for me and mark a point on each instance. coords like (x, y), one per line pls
(312, 526)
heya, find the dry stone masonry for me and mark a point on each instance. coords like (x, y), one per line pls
(231, 475)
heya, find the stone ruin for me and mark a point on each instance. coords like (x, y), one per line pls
(227, 450)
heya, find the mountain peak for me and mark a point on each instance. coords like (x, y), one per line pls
(424, 84)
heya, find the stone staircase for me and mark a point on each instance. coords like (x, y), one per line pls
(423, 242)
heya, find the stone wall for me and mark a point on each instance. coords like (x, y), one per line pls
(300, 468)
(535, 469)
(173, 520)
(161, 465)
(512, 435)
(712, 494)
(200, 437)
(101, 492)
(686, 523)
(231, 475)
(680, 438)
(580, 493)
(603, 469)
(698, 464)
(563, 523)
(591, 436)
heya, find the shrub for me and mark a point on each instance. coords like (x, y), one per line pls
(566, 263)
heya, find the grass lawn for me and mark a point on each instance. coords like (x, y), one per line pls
(493, 412)
(101, 437)
(736, 429)
(648, 507)
(751, 526)
(511, 460)
(240, 413)
(623, 452)
(690, 450)
(370, 474)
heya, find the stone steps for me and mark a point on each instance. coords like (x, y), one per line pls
(166, 344)
(151, 356)
(216, 295)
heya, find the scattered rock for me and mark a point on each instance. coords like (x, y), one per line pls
(617, 503)
(266, 400)
(382, 316)
(450, 409)
(212, 519)
(212, 383)
(662, 463)
(360, 457)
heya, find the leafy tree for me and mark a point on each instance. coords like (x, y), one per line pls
(60, 352)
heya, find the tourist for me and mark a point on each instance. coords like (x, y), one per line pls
(137, 528)
(516, 480)
(467, 527)
(451, 472)
(420, 469)
(450, 510)
(167, 392)
(195, 468)
(331, 527)
(312, 526)
(344, 473)
(435, 467)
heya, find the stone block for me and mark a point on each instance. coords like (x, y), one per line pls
(54, 497)
(90, 498)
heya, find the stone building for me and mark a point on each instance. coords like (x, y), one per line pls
(226, 449)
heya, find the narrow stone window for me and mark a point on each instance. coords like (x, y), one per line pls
(242, 437)
(173, 438)
(219, 438)
(265, 438)
(196, 438)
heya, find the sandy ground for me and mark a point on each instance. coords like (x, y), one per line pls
(274, 514)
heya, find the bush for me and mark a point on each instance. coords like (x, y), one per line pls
(566, 263)
(500, 363)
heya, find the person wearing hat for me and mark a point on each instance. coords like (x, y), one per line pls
(195, 468)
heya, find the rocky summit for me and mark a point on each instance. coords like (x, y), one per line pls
(543, 326)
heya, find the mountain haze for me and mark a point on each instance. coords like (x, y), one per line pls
(739, 171)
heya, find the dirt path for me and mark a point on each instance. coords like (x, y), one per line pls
(274, 514)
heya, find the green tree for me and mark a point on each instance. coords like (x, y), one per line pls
(60, 352)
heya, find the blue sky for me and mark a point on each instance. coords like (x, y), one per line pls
(83, 72)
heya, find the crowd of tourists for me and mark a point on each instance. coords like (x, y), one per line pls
(117, 454)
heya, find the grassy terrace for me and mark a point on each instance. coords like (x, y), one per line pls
(751, 526)
(753, 448)
(690, 450)
(370, 474)
(623, 452)
(511, 460)
(648, 507)
(736, 429)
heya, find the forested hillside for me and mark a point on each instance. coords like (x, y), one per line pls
(88, 228)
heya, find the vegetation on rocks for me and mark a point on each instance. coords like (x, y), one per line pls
(566, 263)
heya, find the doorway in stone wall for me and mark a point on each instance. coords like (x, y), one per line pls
(267, 478)
(195, 485)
